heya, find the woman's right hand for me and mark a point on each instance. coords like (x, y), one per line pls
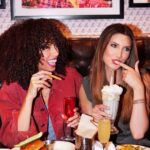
(39, 80)
(98, 112)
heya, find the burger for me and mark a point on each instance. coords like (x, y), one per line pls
(35, 145)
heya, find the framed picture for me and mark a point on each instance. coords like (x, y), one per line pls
(139, 3)
(2, 4)
(67, 9)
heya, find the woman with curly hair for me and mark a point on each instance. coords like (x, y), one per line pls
(30, 99)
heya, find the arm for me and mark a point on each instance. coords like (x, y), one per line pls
(17, 125)
(139, 122)
(86, 106)
(75, 79)
(38, 82)
(97, 111)
(11, 97)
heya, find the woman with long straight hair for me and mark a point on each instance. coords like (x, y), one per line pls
(117, 51)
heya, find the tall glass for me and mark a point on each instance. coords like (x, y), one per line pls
(69, 106)
(104, 129)
(111, 100)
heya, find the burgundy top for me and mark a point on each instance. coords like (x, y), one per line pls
(11, 99)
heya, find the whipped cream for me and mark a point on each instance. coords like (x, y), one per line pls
(112, 89)
(111, 92)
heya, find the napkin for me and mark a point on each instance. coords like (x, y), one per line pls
(86, 128)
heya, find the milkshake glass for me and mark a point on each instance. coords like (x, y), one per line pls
(110, 97)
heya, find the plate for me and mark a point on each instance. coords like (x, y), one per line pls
(131, 147)
(61, 145)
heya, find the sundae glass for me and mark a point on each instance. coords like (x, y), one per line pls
(110, 97)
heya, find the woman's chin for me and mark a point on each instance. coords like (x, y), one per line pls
(115, 67)
(51, 69)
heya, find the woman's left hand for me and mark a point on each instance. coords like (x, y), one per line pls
(74, 120)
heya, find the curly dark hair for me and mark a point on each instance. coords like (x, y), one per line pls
(20, 48)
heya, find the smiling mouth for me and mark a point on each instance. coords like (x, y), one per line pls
(52, 62)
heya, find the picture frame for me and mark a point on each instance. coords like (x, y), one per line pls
(139, 3)
(115, 11)
(2, 4)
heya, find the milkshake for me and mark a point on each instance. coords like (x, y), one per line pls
(110, 97)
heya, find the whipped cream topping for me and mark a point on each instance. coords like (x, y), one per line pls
(112, 89)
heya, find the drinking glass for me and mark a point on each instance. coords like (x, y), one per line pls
(104, 130)
(113, 104)
(69, 106)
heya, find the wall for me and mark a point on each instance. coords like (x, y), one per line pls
(138, 17)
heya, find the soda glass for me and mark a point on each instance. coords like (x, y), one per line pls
(68, 107)
(104, 130)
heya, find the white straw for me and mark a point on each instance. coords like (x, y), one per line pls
(112, 77)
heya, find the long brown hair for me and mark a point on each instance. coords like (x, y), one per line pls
(98, 74)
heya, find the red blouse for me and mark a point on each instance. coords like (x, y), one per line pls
(11, 99)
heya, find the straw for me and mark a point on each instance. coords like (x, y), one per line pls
(112, 77)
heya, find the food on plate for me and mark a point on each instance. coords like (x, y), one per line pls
(35, 145)
(129, 147)
(28, 140)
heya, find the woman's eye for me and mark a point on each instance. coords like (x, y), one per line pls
(114, 45)
(127, 49)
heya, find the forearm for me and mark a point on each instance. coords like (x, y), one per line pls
(24, 117)
(139, 119)
(87, 109)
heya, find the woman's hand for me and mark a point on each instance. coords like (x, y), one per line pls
(131, 75)
(74, 120)
(39, 81)
(98, 112)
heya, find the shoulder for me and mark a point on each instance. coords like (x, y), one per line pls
(71, 71)
(86, 80)
(146, 79)
(146, 76)
(12, 92)
(5, 88)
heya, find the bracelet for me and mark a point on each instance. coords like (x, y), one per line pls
(137, 101)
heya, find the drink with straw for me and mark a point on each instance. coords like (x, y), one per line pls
(110, 97)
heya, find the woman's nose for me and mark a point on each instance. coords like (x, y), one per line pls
(119, 53)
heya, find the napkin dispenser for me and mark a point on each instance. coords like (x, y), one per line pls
(82, 143)
(85, 133)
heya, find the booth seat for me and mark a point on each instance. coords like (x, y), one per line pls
(83, 50)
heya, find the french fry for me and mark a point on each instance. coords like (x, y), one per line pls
(55, 77)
